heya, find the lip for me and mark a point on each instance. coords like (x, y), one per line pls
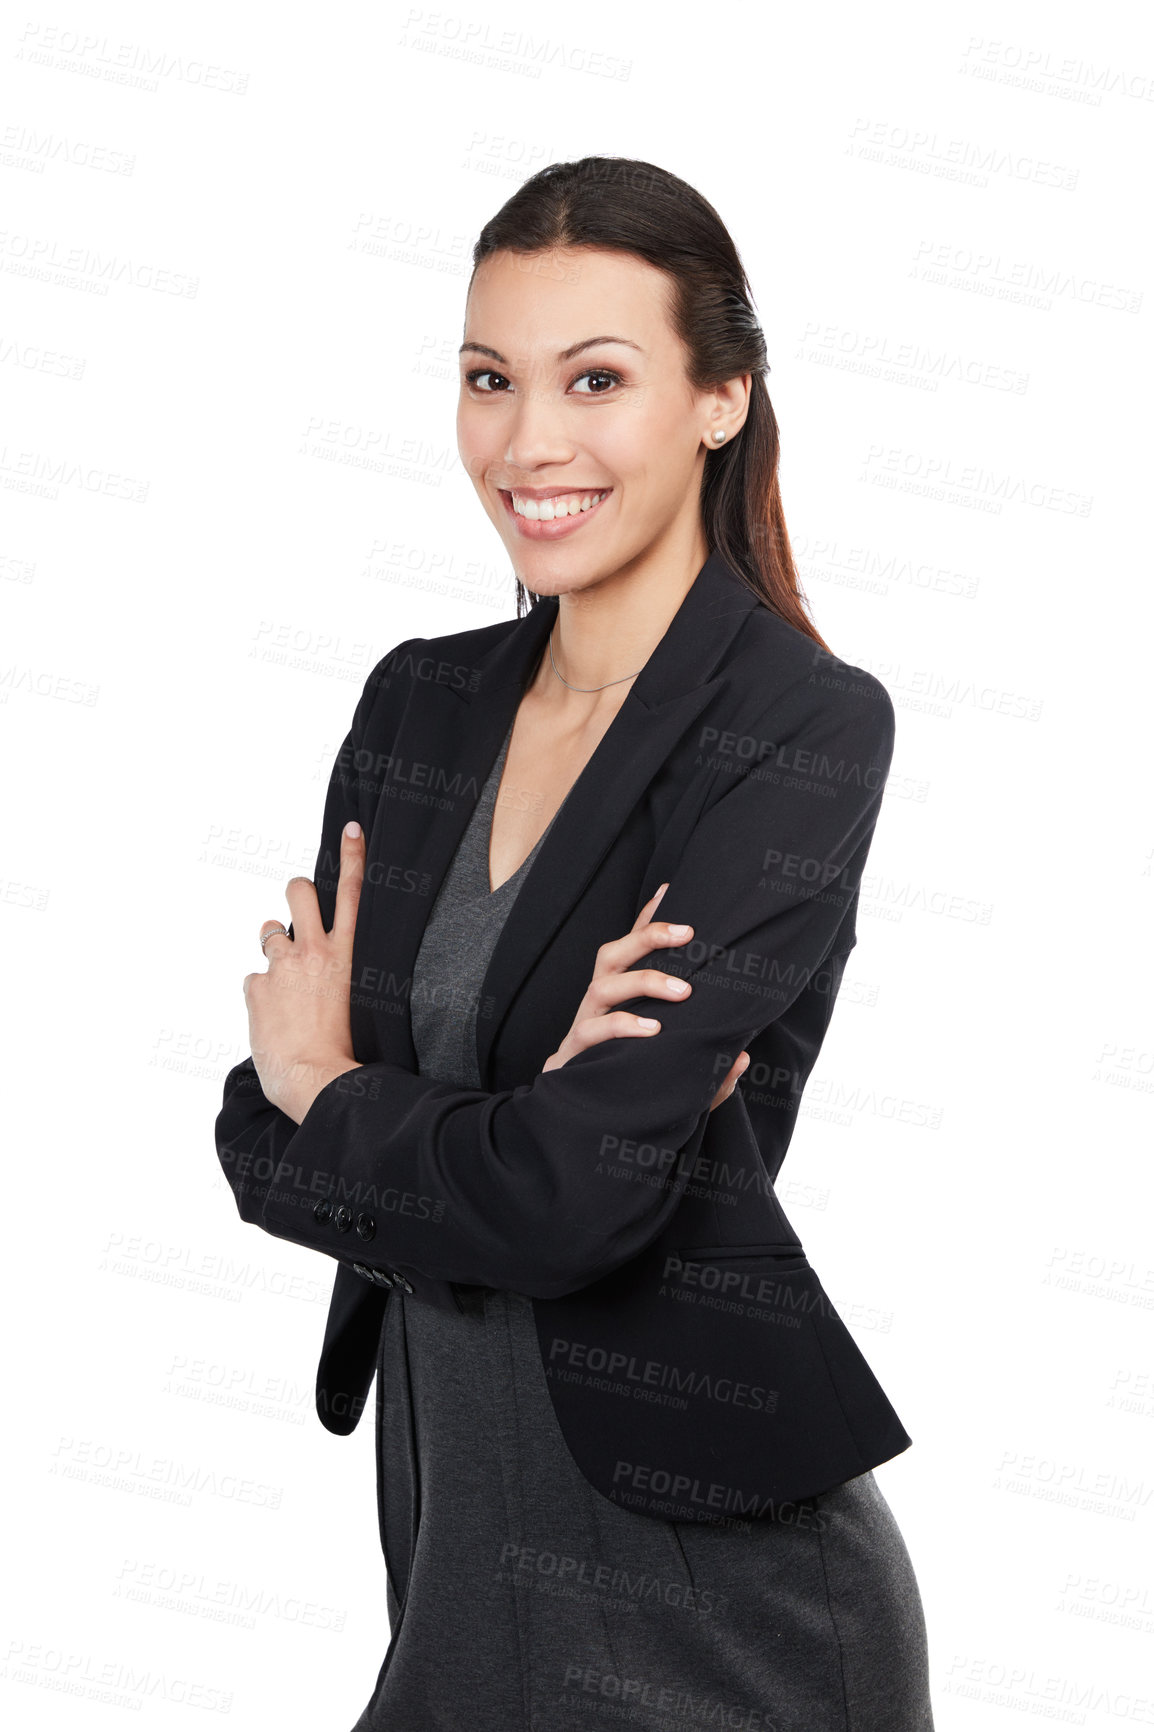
(560, 526)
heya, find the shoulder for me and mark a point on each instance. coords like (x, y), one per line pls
(454, 659)
(794, 685)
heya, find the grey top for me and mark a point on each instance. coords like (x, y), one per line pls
(462, 929)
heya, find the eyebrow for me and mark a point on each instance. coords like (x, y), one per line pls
(563, 354)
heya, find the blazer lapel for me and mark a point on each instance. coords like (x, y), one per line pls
(445, 749)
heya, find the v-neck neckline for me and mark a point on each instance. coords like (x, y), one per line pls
(496, 777)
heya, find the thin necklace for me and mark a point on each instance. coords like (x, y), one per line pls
(565, 682)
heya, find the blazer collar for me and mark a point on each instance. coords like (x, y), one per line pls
(697, 637)
(449, 740)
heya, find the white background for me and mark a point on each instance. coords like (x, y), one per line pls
(235, 247)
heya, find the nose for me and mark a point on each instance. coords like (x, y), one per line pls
(537, 434)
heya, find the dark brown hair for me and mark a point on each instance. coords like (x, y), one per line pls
(617, 203)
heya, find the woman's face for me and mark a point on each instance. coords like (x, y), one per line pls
(546, 414)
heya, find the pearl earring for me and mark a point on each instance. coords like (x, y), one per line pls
(719, 434)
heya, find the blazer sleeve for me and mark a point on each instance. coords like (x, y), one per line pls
(520, 1188)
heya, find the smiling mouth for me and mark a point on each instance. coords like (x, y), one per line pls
(557, 515)
(557, 505)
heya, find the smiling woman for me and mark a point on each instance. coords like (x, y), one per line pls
(625, 1442)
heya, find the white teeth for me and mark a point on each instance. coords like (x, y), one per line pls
(565, 505)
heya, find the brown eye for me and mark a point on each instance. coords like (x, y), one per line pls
(484, 373)
(597, 373)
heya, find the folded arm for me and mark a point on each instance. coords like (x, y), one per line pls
(516, 1188)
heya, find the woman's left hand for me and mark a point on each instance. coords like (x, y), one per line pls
(298, 1012)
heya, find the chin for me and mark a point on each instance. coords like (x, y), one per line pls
(556, 583)
(559, 571)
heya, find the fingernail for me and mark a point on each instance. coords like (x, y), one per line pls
(678, 931)
(661, 893)
(648, 1022)
(352, 829)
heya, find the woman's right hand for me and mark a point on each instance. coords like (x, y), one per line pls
(615, 981)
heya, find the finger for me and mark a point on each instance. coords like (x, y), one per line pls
(736, 1071)
(732, 1074)
(301, 896)
(619, 953)
(608, 989)
(350, 881)
(618, 1025)
(646, 913)
(278, 945)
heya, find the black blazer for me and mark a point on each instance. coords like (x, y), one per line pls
(697, 1368)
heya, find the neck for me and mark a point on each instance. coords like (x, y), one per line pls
(607, 631)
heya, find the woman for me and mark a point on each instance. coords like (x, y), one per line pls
(625, 1444)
